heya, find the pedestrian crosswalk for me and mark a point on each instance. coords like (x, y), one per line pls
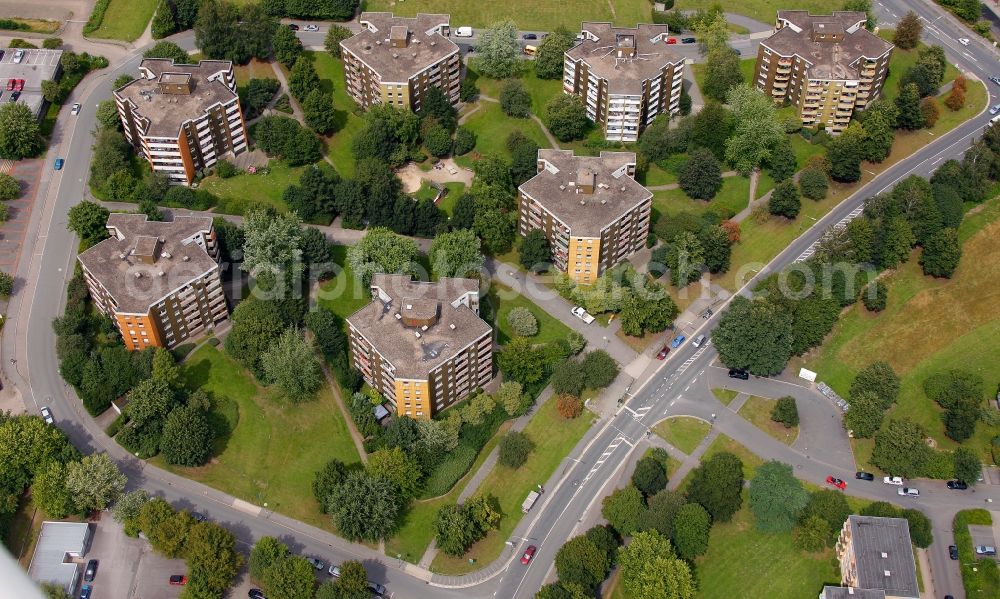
(840, 225)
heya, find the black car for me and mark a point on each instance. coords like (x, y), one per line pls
(736, 373)
(199, 517)
(957, 485)
(256, 594)
(14, 96)
(952, 552)
(993, 79)
(293, 26)
(91, 571)
(687, 40)
(864, 476)
(529, 36)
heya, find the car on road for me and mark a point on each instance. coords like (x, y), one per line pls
(334, 571)
(699, 340)
(580, 313)
(677, 341)
(908, 492)
(957, 485)
(91, 571)
(10, 84)
(995, 109)
(463, 32)
(318, 564)
(18, 56)
(58, 164)
(964, 41)
(311, 28)
(986, 550)
(861, 475)
(995, 79)
(893, 480)
(836, 482)
(47, 417)
(376, 588)
(76, 109)
(178, 580)
(528, 554)
(529, 36)
(671, 40)
(293, 26)
(952, 552)
(663, 353)
(199, 517)
(687, 40)
(739, 373)
(14, 96)
(19, 85)
(256, 594)
(85, 591)
(737, 52)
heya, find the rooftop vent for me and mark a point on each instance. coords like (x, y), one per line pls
(394, 55)
(583, 203)
(165, 255)
(398, 316)
(413, 54)
(185, 258)
(417, 333)
(623, 188)
(884, 555)
(378, 42)
(562, 188)
(409, 306)
(603, 202)
(451, 326)
(123, 255)
(887, 574)
(423, 328)
(138, 275)
(160, 273)
(433, 43)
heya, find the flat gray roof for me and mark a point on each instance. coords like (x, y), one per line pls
(831, 592)
(36, 66)
(829, 60)
(423, 45)
(555, 187)
(884, 555)
(625, 75)
(58, 541)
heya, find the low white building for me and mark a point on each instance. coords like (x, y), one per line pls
(59, 543)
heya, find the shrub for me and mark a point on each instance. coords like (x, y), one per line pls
(785, 200)
(4, 213)
(929, 109)
(514, 449)
(569, 406)
(785, 412)
(225, 169)
(813, 184)
(875, 296)
(465, 141)
(6, 284)
(514, 99)
(52, 43)
(522, 322)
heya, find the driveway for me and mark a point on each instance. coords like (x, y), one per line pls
(119, 557)
(53, 10)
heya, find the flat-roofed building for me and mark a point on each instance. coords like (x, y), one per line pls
(182, 118)
(625, 76)
(158, 281)
(422, 345)
(831, 592)
(395, 60)
(826, 65)
(876, 554)
(58, 545)
(592, 210)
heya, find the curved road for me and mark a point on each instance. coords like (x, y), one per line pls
(42, 280)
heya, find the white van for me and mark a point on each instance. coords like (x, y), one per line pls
(463, 32)
(698, 340)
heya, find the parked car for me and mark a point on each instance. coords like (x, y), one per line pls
(663, 353)
(19, 85)
(738, 373)
(91, 571)
(47, 417)
(908, 492)
(318, 564)
(311, 28)
(376, 588)
(529, 36)
(463, 32)
(59, 164)
(995, 79)
(18, 56)
(952, 552)
(76, 109)
(699, 340)
(836, 482)
(256, 594)
(10, 84)
(893, 480)
(199, 517)
(528, 554)
(964, 41)
(293, 26)
(986, 550)
(957, 485)
(14, 96)
(736, 52)
(671, 40)
(85, 591)
(864, 475)
(995, 109)
(580, 313)
(677, 341)
(178, 580)
(334, 571)
(687, 40)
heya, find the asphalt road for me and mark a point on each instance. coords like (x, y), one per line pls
(41, 298)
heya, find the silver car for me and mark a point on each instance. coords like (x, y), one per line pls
(47, 415)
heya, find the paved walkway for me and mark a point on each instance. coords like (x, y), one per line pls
(677, 185)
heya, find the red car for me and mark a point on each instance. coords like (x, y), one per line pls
(836, 482)
(19, 86)
(528, 554)
(178, 580)
(10, 84)
(663, 353)
(671, 40)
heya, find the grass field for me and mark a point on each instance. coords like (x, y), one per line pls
(455, 191)
(504, 299)
(757, 410)
(554, 437)
(541, 90)
(343, 294)
(900, 62)
(918, 338)
(255, 69)
(492, 127)
(269, 451)
(338, 146)
(125, 19)
(732, 197)
(747, 65)
(240, 191)
(762, 10)
(35, 25)
(683, 432)
(726, 396)
(724, 443)
(528, 15)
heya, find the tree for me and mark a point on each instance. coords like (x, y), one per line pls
(551, 52)
(785, 412)
(303, 78)
(88, 220)
(265, 553)
(456, 254)
(580, 562)
(94, 482)
(510, 397)
(569, 406)
(844, 153)
(286, 45)
(168, 50)
(829, 506)
(19, 133)
(256, 325)
(283, 137)
(465, 141)
(876, 143)
(661, 510)
(623, 508)
(650, 569)
(875, 296)
(754, 335)
(896, 240)
(567, 117)
(776, 497)
(711, 128)
(291, 365)
(942, 253)
(785, 200)
(929, 111)
(334, 35)
(515, 101)
(908, 103)
(498, 52)
(107, 115)
(365, 507)
(684, 258)
(212, 559)
(813, 184)
(650, 311)
(496, 229)
(879, 379)
(514, 449)
(756, 129)
(271, 241)
(717, 484)
(456, 531)
(781, 164)
(865, 414)
(169, 534)
(522, 322)
(128, 505)
(811, 534)
(520, 361)
(48, 489)
(599, 369)
(438, 141)
(900, 449)
(908, 31)
(318, 111)
(691, 527)
(722, 73)
(967, 465)
(326, 482)
(187, 437)
(649, 476)
(381, 251)
(701, 175)
(535, 252)
(397, 467)
(956, 98)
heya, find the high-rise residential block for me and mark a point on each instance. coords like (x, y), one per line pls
(876, 556)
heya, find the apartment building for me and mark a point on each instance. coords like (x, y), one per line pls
(876, 556)
(592, 210)
(422, 345)
(158, 281)
(395, 60)
(826, 65)
(182, 118)
(625, 76)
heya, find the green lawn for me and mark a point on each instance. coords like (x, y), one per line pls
(504, 299)
(980, 577)
(757, 410)
(343, 294)
(966, 335)
(732, 197)
(762, 10)
(255, 69)
(541, 90)
(726, 396)
(239, 192)
(747, 64)
(554, 438)
(492, 127)
(269, 451)
(455, 191)
(900, 62)
(683, 432)
(528, 15)
(338, 146)
(125, 19)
